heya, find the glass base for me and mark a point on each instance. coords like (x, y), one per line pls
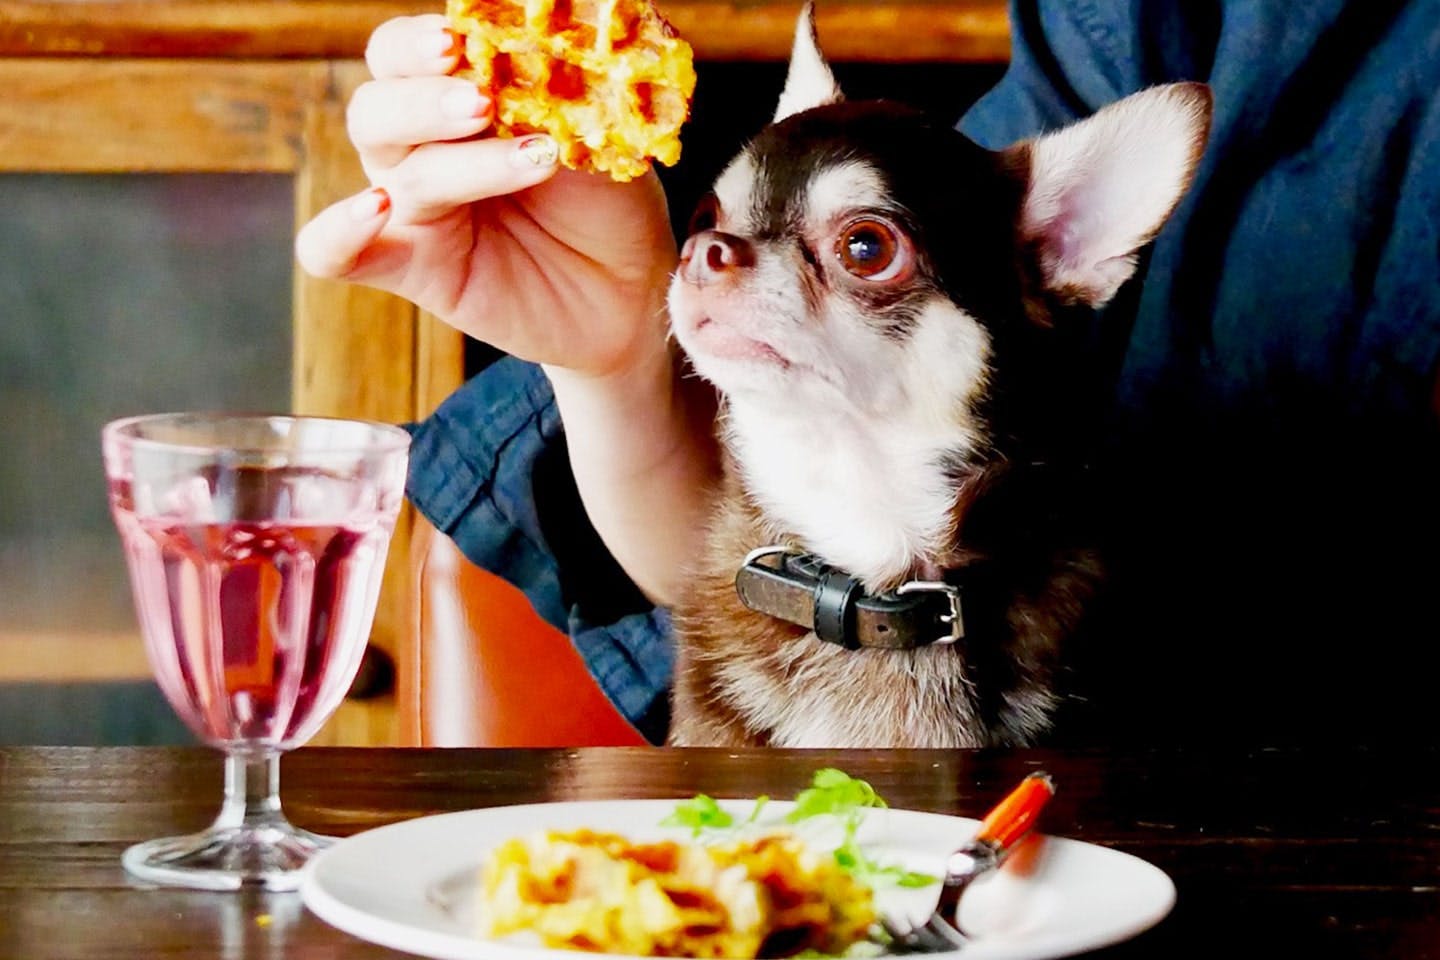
(270, 857)
(250, 844)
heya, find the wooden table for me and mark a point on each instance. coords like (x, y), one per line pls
(1279, 853)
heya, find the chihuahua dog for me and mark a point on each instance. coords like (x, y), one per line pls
(896, 556)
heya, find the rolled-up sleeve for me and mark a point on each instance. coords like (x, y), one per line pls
(489, 470)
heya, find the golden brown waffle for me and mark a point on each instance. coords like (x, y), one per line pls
(761, 896)
(608, 79)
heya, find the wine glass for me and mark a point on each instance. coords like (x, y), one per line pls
(255, 546)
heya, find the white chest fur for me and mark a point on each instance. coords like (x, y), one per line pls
(872, 498)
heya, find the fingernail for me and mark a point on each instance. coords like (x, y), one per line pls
(370, 204)
(440, 44)
(537, 151)
(463, 103)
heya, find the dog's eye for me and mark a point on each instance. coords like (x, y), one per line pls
(872, 250)
(706, 215)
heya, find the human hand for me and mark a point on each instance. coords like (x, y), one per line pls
(550, 265)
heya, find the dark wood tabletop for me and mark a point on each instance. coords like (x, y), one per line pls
(1274, 853)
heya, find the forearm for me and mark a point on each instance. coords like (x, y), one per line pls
(642, 447)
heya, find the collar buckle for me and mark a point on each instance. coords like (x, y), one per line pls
(804, 590)
(953, 618)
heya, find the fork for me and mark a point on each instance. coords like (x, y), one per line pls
(1000, 831)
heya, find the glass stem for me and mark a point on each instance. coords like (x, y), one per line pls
(252, 791)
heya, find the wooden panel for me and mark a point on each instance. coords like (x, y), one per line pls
(440, 363)
(440, 368)
(71, 656)
(121, 116)
(355, 356)
(357, 352)
(253, 29)
(897, 30)
(966, 31)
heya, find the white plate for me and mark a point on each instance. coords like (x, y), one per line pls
(411, 885)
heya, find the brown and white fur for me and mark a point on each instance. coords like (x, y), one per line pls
(889, 419)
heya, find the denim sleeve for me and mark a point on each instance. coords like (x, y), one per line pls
(489, 470)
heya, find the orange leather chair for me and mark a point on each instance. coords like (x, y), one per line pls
(485, 670)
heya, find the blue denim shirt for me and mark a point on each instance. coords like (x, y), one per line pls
(1292, 303)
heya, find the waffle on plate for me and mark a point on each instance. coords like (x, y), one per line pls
(765, 896)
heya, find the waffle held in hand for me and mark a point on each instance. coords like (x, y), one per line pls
(609, 79)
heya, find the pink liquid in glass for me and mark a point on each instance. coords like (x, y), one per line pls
(254, 629)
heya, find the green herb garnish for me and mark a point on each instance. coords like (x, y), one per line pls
(834, 792)
(849, 856)
(698, 813)
(760, 802)
(831, 793)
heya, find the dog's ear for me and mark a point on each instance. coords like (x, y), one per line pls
(1100, 189)
(809, 82)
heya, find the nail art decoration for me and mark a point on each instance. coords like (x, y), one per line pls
(539, 150)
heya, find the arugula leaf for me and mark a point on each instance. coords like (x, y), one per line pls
(760, 802)
(831, 792)
(834, 792)
(699, 813)
(851, 858)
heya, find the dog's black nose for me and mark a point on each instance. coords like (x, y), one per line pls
(710, 256)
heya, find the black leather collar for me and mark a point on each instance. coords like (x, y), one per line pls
(802, 589)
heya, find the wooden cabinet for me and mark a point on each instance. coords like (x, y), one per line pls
(260, 86)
